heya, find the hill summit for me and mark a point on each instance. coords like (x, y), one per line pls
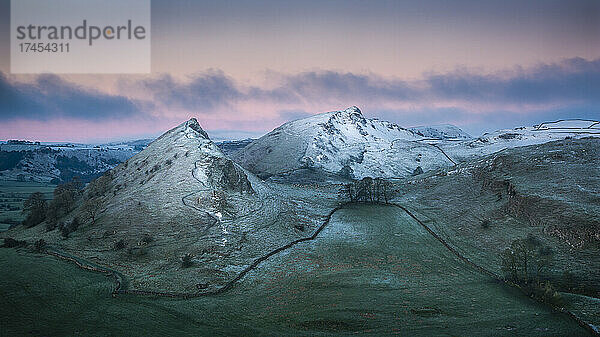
(343, 144)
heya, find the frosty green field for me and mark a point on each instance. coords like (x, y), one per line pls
(372, 271)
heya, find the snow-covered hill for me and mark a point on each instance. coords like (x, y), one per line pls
(499, 140)
(179, 172)
(443, 131)
(343, 144)
(181, 195)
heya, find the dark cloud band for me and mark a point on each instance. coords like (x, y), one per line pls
(564, 88)
(50, 97)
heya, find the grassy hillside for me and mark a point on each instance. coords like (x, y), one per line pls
(549, 191)
(373, 271)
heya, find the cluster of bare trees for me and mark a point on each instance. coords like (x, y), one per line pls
(526, 260)
(65, 199)
(368, 190)
(524, 263)
(63, 202)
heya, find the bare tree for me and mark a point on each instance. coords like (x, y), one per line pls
(92, 208)
(346, 192)
(65, 196)
(99, 186)
(386, 189)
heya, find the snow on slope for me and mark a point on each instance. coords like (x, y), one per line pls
(182, 159)
(185, 195)
(189, 198)
(342, 143)
(443, 131)
(57, 164)
(571, 125)
(499, 140)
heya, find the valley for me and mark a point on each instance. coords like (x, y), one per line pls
(373, 270)
(329, 225)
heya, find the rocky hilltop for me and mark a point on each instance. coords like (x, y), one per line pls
(340, 144)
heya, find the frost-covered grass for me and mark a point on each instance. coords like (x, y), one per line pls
(167, 192)
(376, 271)
(372, 271)
(548, 190)
(556, 186)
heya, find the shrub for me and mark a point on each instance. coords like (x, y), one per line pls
(137, 251)
(50, 226)
(40, 246)
(417, 171)
(121, 244)
(186, 260)
(146, 239)
(36, 208)
(485, 224)
(544, 292)
(75, 224)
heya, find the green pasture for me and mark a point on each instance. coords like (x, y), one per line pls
(372, 271)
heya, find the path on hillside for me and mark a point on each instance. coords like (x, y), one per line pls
(119, 279)
(421, 142)
(121, 288)
(121, 283)
(444, 153)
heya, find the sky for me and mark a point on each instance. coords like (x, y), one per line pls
(243, 68)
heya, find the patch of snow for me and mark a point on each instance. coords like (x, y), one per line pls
(444, 132)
